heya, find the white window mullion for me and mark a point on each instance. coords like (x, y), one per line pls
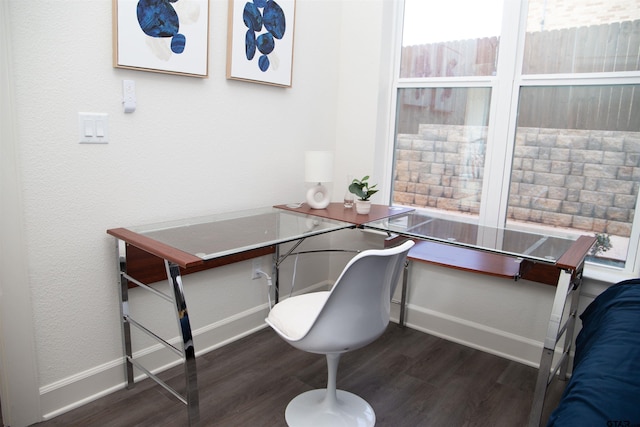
(497, 169)
(502, 122)
(390, 128)
(633, 254)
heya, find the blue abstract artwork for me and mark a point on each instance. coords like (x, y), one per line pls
(158, 18)
(262, 32)
(256, 15)
(169, 36)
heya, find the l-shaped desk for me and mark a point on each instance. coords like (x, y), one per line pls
(170, 250)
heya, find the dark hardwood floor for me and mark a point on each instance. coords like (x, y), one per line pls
(410, 379)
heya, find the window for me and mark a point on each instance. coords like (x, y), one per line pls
(532, 125)
(440, 147)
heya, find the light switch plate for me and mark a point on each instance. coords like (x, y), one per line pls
(93, 128)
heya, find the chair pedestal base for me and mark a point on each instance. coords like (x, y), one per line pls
(310, 409)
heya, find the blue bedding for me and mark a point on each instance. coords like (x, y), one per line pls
(604, 389)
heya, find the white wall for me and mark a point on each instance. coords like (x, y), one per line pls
(194, 146)
(363, 109)
(500, 316)
(18, 376)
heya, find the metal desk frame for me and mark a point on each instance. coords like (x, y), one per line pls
(567, 290)
(178, 262)
(565, 273)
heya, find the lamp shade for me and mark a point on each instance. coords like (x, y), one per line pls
(318, 166)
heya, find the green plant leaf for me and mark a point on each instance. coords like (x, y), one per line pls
(361, 188)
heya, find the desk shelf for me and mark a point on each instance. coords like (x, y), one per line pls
(465, 259)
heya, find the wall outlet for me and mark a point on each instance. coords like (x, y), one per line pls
(257, 266)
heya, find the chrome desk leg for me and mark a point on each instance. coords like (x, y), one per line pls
(403, 295)
(121, 254)
(554, 332)
(193, 409)
(275, 274)
(571, 324)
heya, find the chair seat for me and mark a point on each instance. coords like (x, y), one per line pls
(293, 317)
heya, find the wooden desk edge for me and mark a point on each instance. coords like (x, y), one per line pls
(336, 211)
(489, 263)
(183, 259)
(471, 260)
(576, 254)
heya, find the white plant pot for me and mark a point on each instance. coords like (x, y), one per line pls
(363, 207)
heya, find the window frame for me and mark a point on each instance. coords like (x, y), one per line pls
(503, 121)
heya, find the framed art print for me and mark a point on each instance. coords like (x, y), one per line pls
(260, 41)
(162, 36)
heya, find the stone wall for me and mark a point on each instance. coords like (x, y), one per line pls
(582, 179)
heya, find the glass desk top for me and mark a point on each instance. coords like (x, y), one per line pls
(224, 234)
(528, 245)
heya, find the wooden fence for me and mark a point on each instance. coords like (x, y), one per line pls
(598, 48)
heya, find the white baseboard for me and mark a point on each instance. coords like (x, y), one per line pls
(77, 390)
(481, 337)
(84, 387)
(99, 381)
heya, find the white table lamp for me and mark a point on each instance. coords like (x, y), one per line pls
(318, 169)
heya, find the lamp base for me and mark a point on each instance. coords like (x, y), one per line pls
(318, 197)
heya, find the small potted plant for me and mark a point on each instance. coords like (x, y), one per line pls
(361, 188)
(602, 245)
